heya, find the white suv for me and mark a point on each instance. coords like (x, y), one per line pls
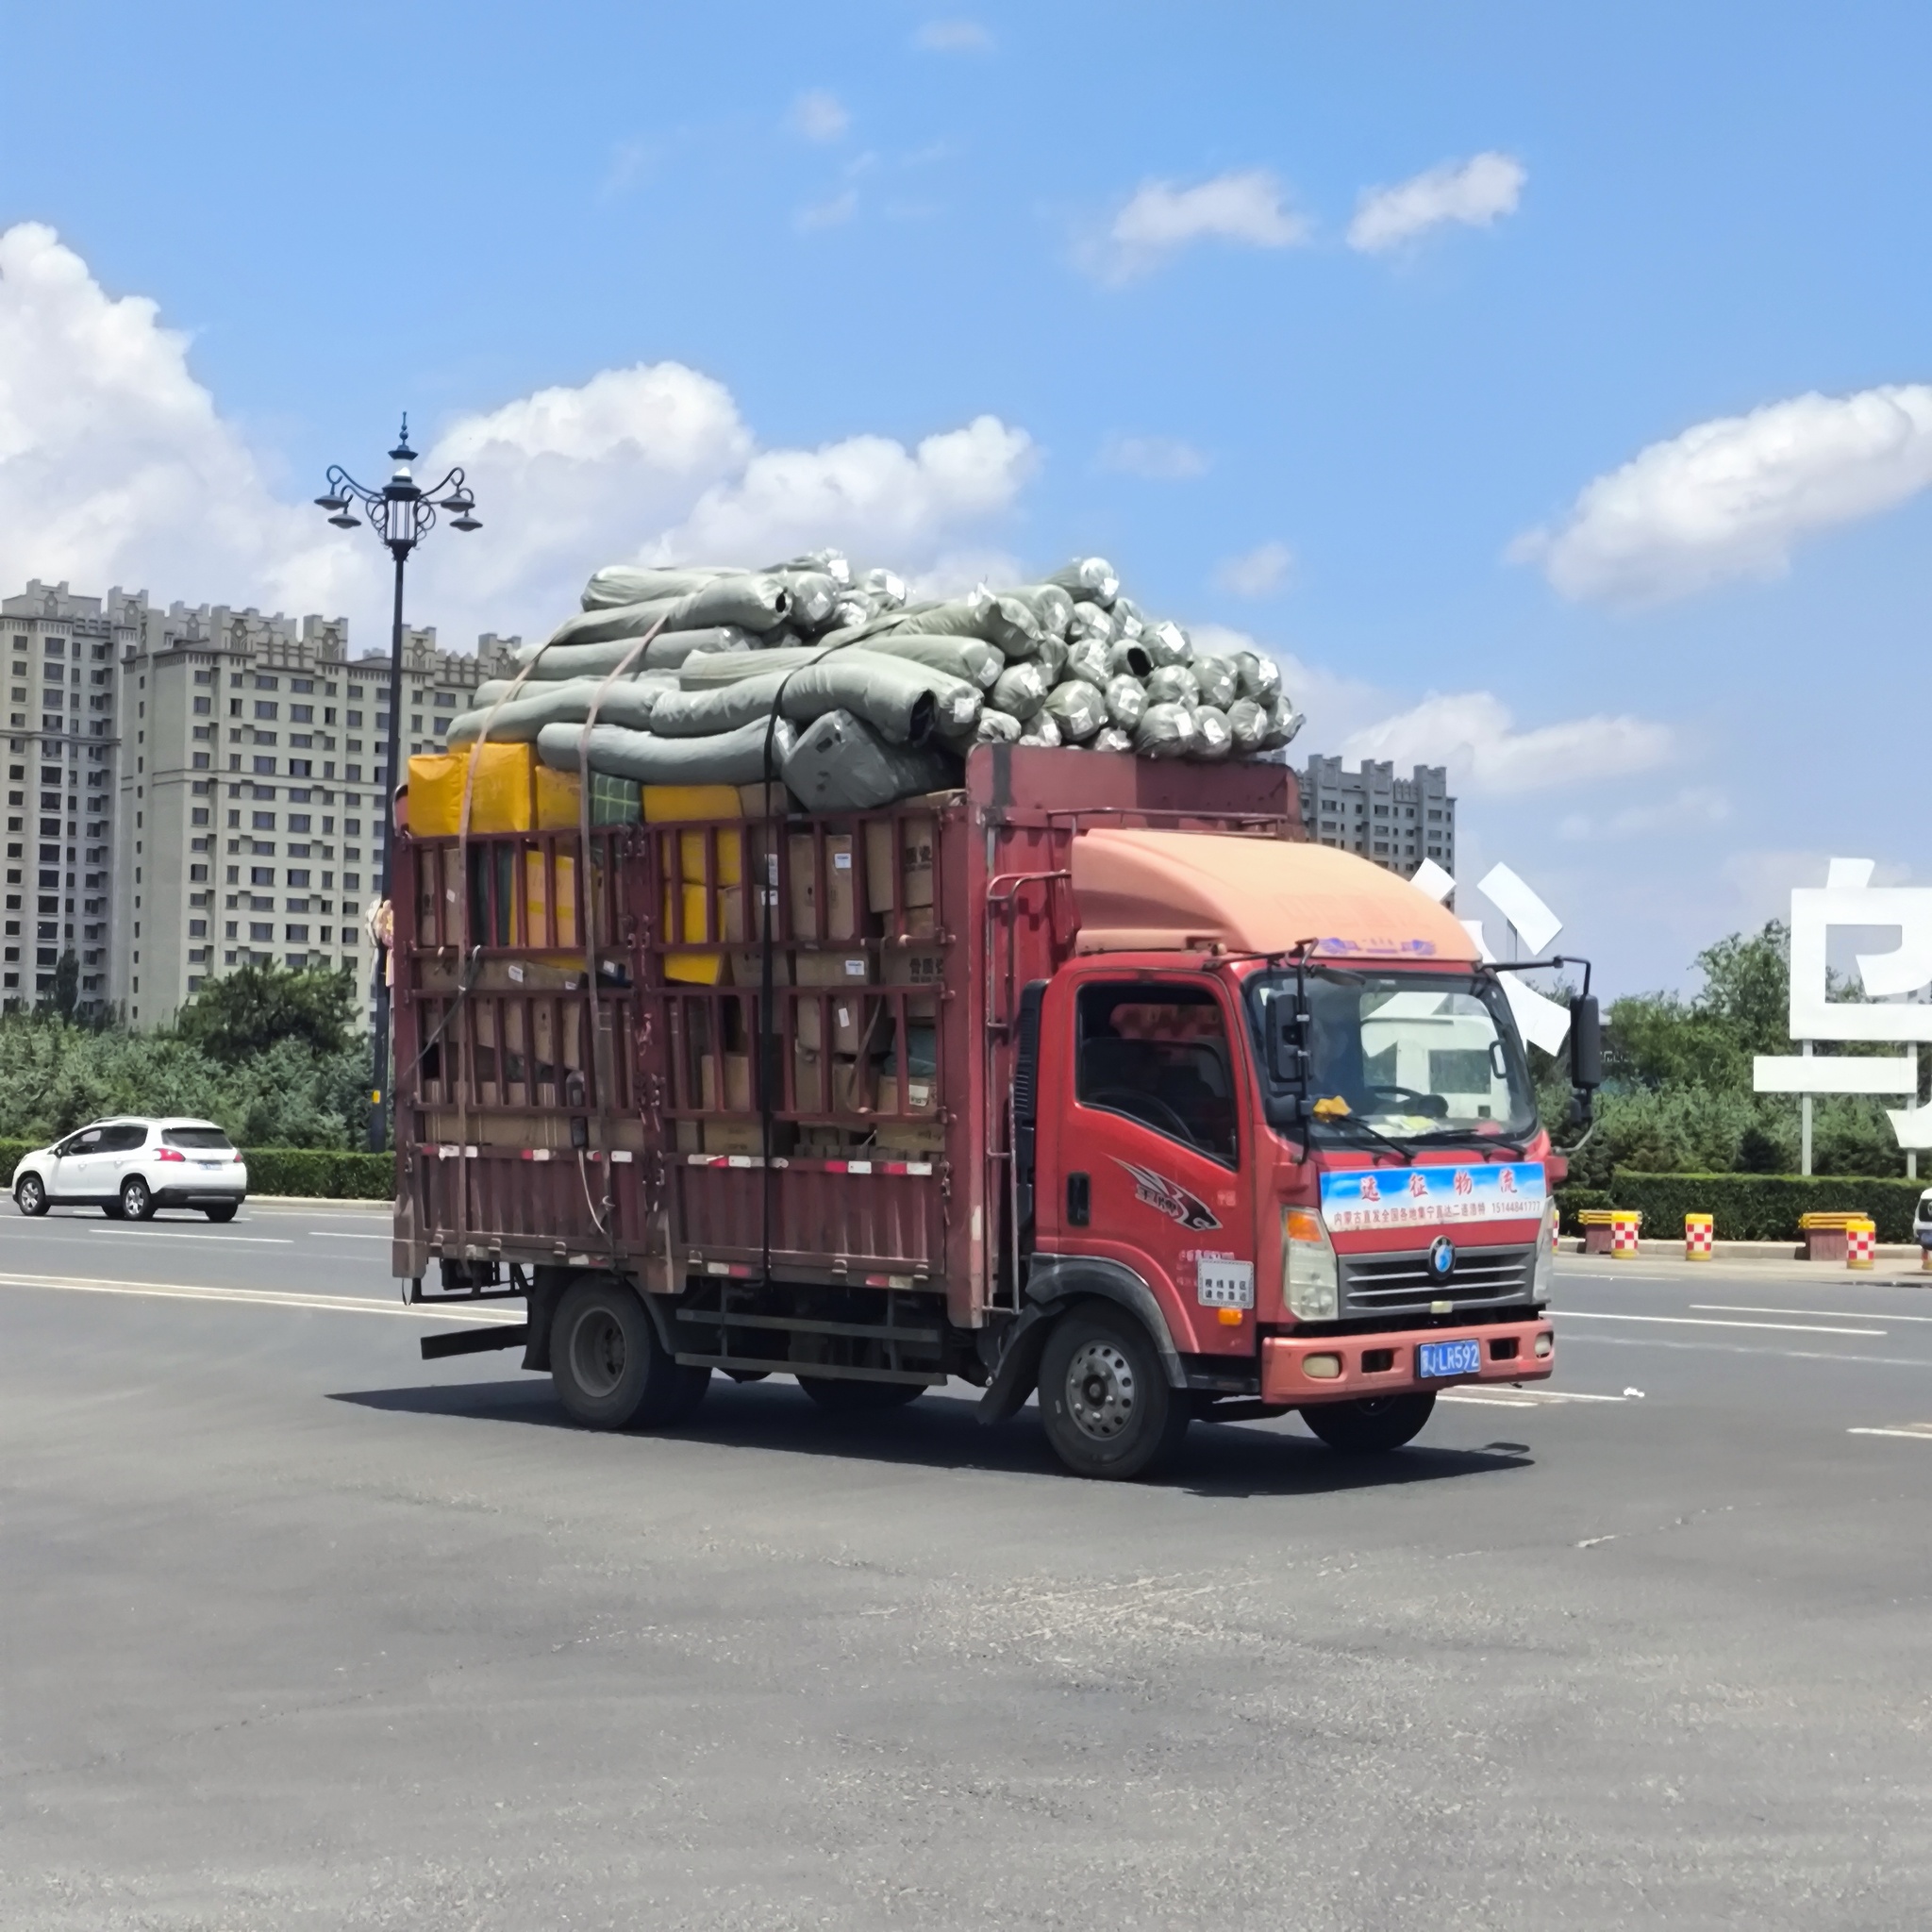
(129, 1168)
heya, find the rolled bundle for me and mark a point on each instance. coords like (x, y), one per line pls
(971, 659)
(1088, 579)
(815, 597)
(1042, 730)
(1215, 679)
(995, 727)
(831, 563)
(1165, 731)
(1260, 676)
(886, 586)
(1053, 657)
(1052, 607)
(1213, 739)
(1284, 721)
(731, 758)
(1248, 722)
(718, 667)
(622, 583)
(1111, 737)
(1087, 661)
(1089, 622)
(1166, 644)
(904, 702)
(1172, 684)
(1020, 691)
(1130, 658)
(665, 652)
(1129, 619)
(839, 763)
(629, 702)
(1078, 709)
(1126, 700)
(757, 603)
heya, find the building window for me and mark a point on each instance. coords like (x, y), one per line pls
(295, 935)
(261, 874)
(265, 767)
(261, 929)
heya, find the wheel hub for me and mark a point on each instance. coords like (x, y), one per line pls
(597, 1352)
(1101, 1390)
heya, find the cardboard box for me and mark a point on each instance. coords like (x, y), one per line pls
(846, 1014)
(840, 920)
(831, 969)
(691, 1137)
(748, 967)
(770, 801)
(728, 866)
(736, 1091)
(909, 1140)
(917, 966)
(539, 928)
(914, 861)
(560, 799)
(850, 1083)
(921, 1094)
(738, 1137)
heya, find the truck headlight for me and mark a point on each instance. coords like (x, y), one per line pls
(1543, 1280)
(1309, 1273)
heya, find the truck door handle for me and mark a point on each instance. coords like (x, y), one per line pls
(1079, 1199)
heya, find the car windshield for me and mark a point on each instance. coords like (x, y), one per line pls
(1412, 1055)
(195, 1137)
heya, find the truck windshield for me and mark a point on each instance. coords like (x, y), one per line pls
(1416, 1057)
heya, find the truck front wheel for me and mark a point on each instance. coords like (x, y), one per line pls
(1104, 1396)
(608, 1367)
(1376, 1423)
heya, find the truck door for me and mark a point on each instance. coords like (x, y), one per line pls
(1144, 1161)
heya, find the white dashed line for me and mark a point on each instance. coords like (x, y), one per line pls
(1696, 1321)
(258, 1297)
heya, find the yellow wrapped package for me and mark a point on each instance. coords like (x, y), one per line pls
(559, 800)
(666, 803)
(501, 795)
(536, 901)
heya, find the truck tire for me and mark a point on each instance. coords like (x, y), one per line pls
(609, 1369)
(1104, 1396)
(1374, 1425)
(837, 1396)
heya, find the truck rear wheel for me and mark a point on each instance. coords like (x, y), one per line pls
(1372, 1426)
(838, 1396)
(1104, 1396)
(608, 1367)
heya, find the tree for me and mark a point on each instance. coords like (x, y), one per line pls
(1660, 1041)
(66, 992)
(244, 1013)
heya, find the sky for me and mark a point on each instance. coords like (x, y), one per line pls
(1547, 388)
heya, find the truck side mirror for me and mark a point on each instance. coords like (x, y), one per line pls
(1585, 1044)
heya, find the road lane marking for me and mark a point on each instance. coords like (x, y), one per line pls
(1695, 1322)
(329, 1234)
(227, 1240)
(260, 1297)
(1843, 1314)
(1525, 1398)
(1915, 1432)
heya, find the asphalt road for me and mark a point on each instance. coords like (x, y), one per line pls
(296, 1630)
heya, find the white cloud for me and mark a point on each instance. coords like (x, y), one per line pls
(1694, 806)
(117, 467)
(954, 37)
(1473, 192)
(1475, 734)
(1158, 459)
(1730, 498)
(1244, 207)
(828, 214)
(1258, 572)
(819, 115)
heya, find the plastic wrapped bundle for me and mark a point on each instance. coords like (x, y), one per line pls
(622, 583)
(1260, 677)
(1284, 721)
(1215, 679)
(1129, 619)
(815, 597)
(887, 587)
(1090, 622)
(996, 727)
(1213, 737)
(1020, 691)
(553, 664)
(1042, 730)
(1126, 700)
(1248, 722)
(1130, 658)
(977, 662)
(731, 758)
(757, 603)
(1172, 684)
(1165, 731)
(1166, 644)
(1078, 709)
(839, 763)
(520, 720)
(1111, 737)
(1087, 661)
(1090, 579)
(1052, 607)
(905, 703)
(831, 563)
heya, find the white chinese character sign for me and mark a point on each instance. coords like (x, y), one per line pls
(1848, 897)
(1540, 1021)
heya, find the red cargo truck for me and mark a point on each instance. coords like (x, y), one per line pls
(1095, 1077)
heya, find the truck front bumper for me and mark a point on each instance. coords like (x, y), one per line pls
(1297, 1370)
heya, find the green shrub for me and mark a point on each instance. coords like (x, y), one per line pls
(1571, 1202)
(322, 1174)
(1757, 1206)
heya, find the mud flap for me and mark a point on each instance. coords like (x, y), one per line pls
(1014, 1380)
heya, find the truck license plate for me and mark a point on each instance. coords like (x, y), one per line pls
(1437, 1358)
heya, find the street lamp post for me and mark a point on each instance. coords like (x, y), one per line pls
(401, 513)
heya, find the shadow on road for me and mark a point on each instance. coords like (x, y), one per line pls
(943, 1432)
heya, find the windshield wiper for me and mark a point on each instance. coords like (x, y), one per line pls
(1361, 1126)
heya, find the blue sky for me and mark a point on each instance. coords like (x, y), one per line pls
(1103, 255)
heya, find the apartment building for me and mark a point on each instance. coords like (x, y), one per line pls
(251, 785)
(1395, 823)
(62, 748)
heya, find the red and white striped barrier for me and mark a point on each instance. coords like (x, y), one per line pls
(1861, 1238)
(1698, 1243)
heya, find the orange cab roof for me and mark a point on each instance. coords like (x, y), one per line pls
(1162, 890)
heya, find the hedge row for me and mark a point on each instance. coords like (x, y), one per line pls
(1748, 1207)
(319, 1172)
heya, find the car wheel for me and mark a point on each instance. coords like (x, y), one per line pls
(1104, 1396)
(136, 1204)
(837, 1396)
(1372, 1425)
(609, 1369)
(225, 1212)
(30, 1195)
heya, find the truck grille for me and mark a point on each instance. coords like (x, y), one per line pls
(1380, 1284)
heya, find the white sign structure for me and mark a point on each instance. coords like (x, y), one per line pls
(1540, 1021)
(1848, 897)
